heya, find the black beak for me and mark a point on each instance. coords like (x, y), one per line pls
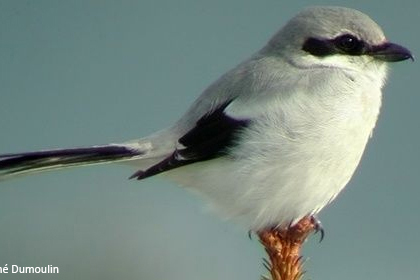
(390, 52)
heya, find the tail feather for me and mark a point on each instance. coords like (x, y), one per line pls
(17, 164)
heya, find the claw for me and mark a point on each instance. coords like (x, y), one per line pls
(267, 264)
(318, 227)
(250, 234)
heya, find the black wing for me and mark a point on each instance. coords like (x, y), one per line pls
(210, 138)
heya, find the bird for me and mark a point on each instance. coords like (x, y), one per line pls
(274, 139)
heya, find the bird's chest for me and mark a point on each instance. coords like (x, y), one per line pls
(313, 141)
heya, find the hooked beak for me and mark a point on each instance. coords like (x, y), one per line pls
(390, 52)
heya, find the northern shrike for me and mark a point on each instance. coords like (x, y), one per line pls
(274, 139)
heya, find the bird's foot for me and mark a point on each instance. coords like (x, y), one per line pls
(318, 227)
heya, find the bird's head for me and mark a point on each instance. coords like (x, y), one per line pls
(335, 37)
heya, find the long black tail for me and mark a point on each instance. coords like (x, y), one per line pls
(17, 164)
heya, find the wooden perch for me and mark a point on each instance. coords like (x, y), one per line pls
(283, 248)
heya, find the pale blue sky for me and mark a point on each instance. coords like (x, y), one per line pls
(75, 73)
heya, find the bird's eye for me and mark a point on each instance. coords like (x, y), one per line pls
(349, 44)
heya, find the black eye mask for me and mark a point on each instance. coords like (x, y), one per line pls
(343, 44)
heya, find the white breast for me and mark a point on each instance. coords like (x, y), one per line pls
(296, 157)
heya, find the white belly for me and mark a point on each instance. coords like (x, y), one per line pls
(291, 163)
